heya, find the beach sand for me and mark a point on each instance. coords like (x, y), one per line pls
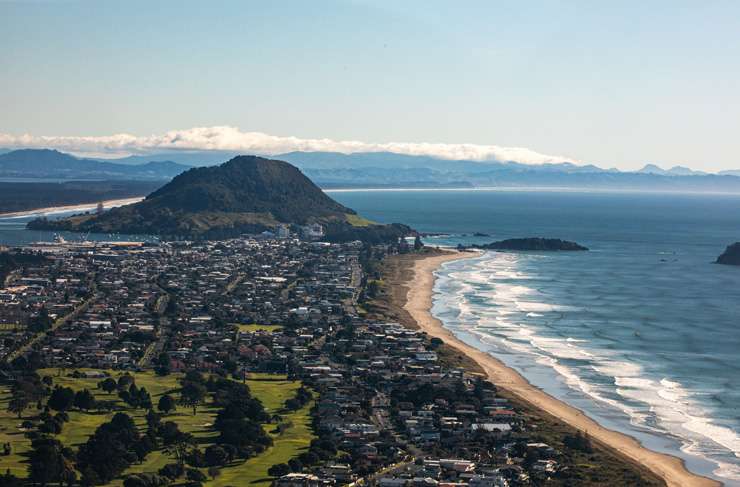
(418, 305)
(78, 207)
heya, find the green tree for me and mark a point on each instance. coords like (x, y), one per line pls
(84, 400)
(278, 470)
(162, 364)
(10, 480)
(108, 385)
(180, 447)
(40, 322)
(166, 404)
(192, 395)
(125, 382)
(215, 455)
(47, 462)
(61, 399)
(18, 403)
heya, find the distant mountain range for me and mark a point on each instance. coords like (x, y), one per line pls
(52, 164)
(247, 194)
(396, 170)
(377, 170)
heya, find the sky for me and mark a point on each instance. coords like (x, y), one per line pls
(617, 84)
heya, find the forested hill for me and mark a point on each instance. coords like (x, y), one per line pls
(244, 195)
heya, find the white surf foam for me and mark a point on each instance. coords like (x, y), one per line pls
(663, 406)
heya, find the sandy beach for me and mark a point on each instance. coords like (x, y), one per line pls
(77, 207)
(418, 305)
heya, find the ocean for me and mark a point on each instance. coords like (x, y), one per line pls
(642, 332)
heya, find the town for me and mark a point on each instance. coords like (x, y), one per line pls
(246, 361)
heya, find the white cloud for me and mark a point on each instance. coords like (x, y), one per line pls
(232, 139)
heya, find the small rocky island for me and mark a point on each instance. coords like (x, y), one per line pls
(533, 243)
(731, 255)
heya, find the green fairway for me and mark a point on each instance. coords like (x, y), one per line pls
(81, 424)
(272, 390)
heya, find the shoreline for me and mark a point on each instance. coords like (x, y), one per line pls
(75, 207)
(420, 285)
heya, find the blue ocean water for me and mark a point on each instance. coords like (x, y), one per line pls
(642, 332)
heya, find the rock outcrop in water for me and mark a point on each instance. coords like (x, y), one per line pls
(731, 255)
(534, 243)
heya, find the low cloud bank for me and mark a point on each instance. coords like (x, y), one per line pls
(227, 138)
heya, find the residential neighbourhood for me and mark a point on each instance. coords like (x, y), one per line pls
(381, 405)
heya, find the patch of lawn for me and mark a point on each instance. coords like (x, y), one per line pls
(358, 221)
(251, 328)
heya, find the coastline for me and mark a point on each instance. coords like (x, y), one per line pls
(77, 207)
(418, 305)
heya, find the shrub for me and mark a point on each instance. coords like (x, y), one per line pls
(278, 470)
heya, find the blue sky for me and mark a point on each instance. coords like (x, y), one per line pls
(612, 83)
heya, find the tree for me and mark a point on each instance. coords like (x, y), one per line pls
(125, 382)
(35, 360)
(162, 364)
(180, 447)
(61, 399)
(166, 404)
(215, 455)
(84, 400)
(47, 462)
(108, 385)
(214, 472)
(192, 395)
(144, 399)
(18, 403)
(10, 480)
(278, 470)
(41, 322)
(195, 475)
(194, 376)
(295, 465)
(109, 451)
(145, 480)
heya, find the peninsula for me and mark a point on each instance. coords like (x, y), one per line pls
(247, 194)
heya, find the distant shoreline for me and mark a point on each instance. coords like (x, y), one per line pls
(512, 189)
(420, 285)
(77, 207)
